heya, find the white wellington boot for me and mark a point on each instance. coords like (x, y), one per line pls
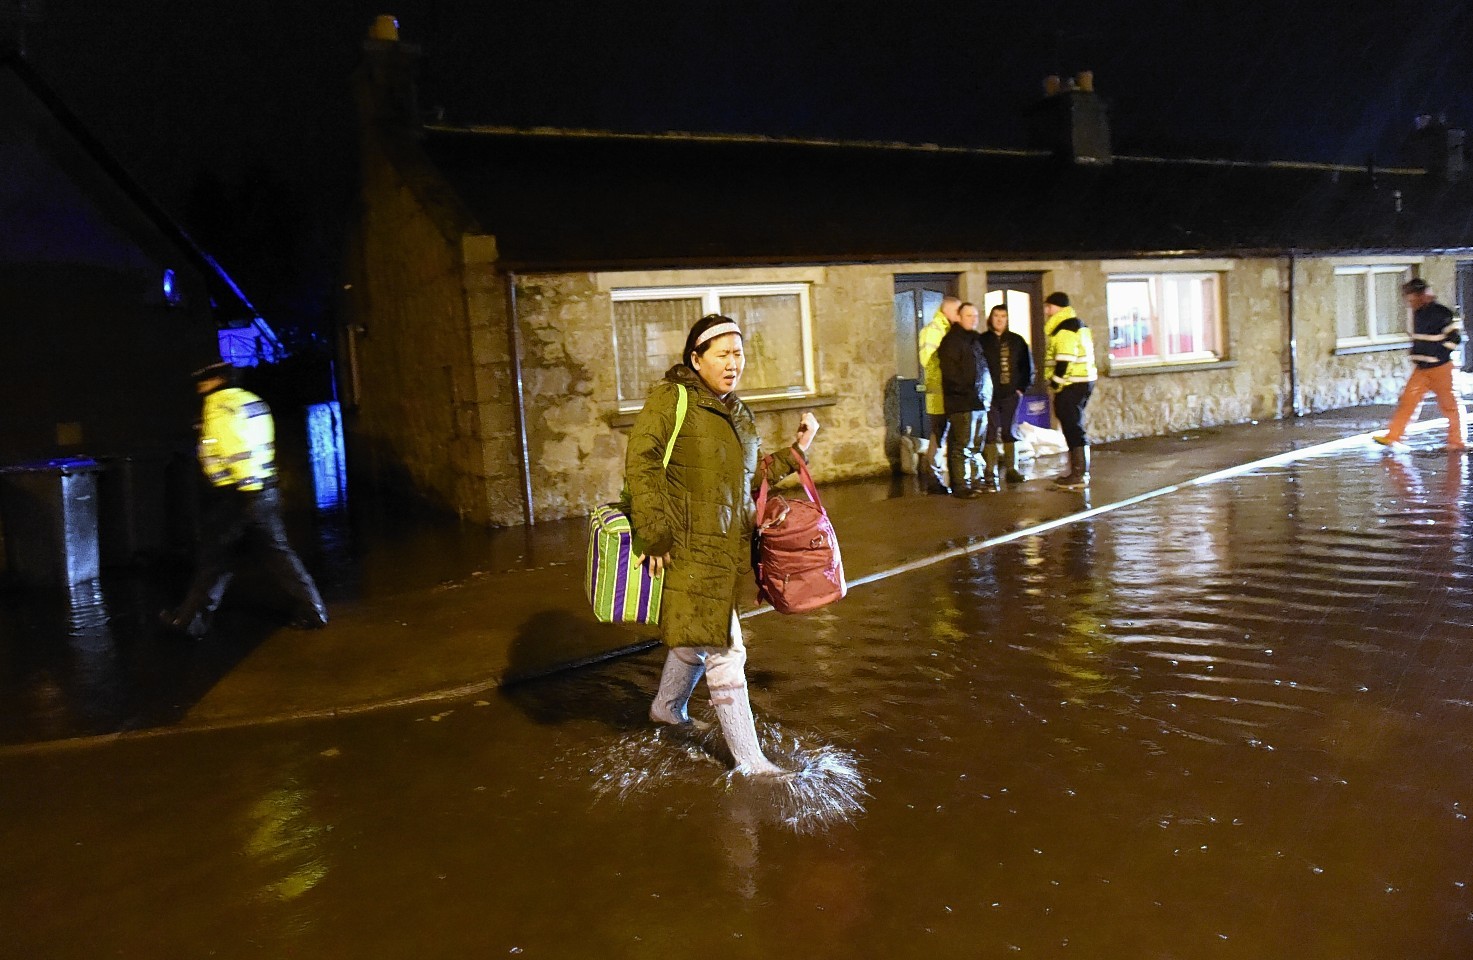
(677, 681)
(734, 711)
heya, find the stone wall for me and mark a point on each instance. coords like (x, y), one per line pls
(1329, 380)
(577, 434)
(439, 398)
(426, 313)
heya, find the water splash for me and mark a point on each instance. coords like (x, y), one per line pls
(824, 788)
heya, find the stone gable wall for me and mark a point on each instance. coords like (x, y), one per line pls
(433, 414)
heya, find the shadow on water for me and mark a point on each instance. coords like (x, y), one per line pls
(548, 674)
(93, 661)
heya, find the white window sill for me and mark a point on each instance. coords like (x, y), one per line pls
(1378, 346)
(1188, 366)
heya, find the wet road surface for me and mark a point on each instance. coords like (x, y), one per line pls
(1231, 722)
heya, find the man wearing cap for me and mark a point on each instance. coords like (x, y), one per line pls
(1069, 362)
(237, 451)
(1434, 334)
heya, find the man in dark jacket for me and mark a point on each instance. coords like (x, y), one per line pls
(966, 388)
(1011, 364)
(1434, 334)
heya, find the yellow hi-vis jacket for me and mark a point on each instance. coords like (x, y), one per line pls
(237, 440)
(930, 342)
(1068, 342)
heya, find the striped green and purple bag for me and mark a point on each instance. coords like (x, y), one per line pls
(621, 590)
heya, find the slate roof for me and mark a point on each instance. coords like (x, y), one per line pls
(591, 200)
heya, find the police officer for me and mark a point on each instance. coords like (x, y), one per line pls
(237, 451)
(1069, 363)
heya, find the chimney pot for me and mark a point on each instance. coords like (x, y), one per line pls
(385, 27)
(1086, 81)
(1051, 85)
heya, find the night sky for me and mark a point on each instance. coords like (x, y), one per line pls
(175, 88)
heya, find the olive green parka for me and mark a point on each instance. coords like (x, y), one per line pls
(699, 510)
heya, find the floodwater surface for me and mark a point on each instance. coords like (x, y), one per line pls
(1235, 721)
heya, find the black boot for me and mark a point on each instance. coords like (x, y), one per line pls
(1078, 476)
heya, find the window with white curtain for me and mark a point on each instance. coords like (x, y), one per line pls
(1368, 304)
(1164, 317)
(650, 325)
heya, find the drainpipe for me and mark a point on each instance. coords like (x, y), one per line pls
(1296, 407)
(514, 336)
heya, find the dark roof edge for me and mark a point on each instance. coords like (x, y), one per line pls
(717, 263)
(130, 188)
(675, 136)
(894, 146)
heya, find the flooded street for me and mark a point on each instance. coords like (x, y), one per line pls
(1235, 721)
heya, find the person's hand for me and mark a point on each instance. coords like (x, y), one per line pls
(807, 427)
(1020, 393)
(657, 565)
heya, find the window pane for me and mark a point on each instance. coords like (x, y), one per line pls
(1189, 315)
(649, 335)
(772, 338)
(907, 357)
(1391, 313)
(1131, 318)
(1350, 305)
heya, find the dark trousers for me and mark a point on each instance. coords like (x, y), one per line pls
(964, 447)
(236, 519)
(1069, 406)
(1002, 418)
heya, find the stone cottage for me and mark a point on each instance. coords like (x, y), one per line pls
(513, 292)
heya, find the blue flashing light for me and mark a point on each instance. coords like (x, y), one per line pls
(171, 288)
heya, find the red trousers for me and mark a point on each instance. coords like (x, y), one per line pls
(1439, 380)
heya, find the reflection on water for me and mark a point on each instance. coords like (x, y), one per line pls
(283, 840)
(325, 451)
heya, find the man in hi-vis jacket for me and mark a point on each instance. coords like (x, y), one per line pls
(237, 451)
(1069, 364)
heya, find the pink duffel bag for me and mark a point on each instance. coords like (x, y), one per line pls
(797, 555)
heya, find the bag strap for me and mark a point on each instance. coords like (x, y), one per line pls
(804, 477)
(680, 406)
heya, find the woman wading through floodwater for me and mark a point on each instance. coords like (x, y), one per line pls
(695, 519)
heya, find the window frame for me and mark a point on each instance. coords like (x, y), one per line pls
(1155, 278)
(710, 296)
(1369, 271)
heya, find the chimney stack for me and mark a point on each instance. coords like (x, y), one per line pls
(387, 97)
(1072, 120)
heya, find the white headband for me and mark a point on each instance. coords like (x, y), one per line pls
(718, 330)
